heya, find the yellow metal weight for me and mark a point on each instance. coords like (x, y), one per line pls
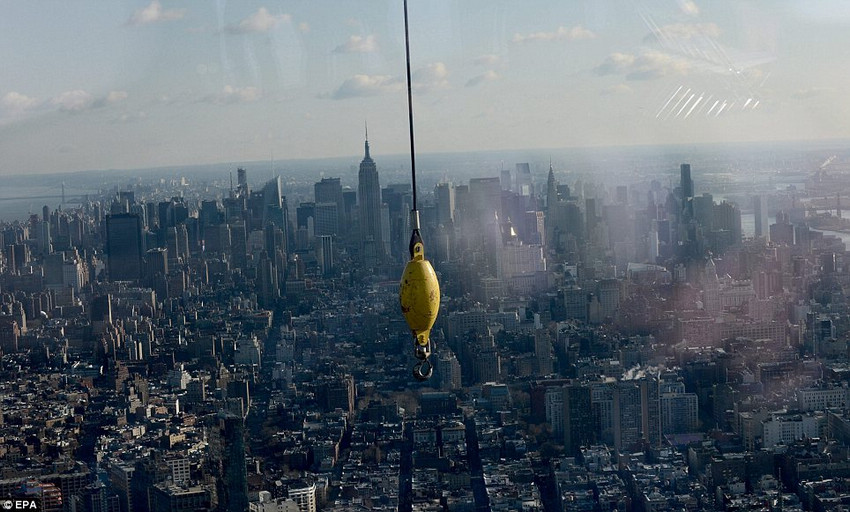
(419, 295)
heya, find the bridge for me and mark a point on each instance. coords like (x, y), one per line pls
(55, 192)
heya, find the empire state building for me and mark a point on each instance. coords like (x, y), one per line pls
(369, 197)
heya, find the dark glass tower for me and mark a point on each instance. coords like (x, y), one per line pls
(369, 197)
(687, 190)
(329, 190)
(124, 246)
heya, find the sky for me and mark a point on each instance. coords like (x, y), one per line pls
(88, 85)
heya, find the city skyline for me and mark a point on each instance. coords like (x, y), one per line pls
(163, 83)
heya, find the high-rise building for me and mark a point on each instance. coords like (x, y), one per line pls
(650, 409)
(727, 217)
(444, 194)
(268, 286)
(506, 180)
(523, 180)
(326, 219)
(273, 202)
(762, 225)
(579, 420)
(325, 254)
(543, 352)
(687, 184)
(233, 487)
(329, 190)
(679, 412)
(156, 264)
(242, 182)
(447, 370)
(124, 246)
(627, 415)
(304, 495)
(486, 195)
(369, 197)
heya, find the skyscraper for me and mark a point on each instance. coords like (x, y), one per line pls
(523, 180)
(444, 195)
(369, 197)
(325, 254)
(687, 189)
(124, 246)
(233, 487)
(329, 190)
(580, 424)
(762, 227)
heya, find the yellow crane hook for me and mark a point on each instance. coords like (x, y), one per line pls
(419, 296)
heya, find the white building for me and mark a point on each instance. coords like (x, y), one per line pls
(786, 428)
(819, 399)
(304, 496)
(269, 504)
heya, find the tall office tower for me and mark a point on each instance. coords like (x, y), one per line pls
(209, 213)
(627, 415)
(329, 190)
(369, 198)
(349, 204)
(760, 211)
(703, 207)
(326, 220)
(679, 412)
(156, 272)
(217, 239)
(182, 235)
(447, 371)
(156, 263)
(304, 212)
(444, 194)
(727, 217)
(127, 196)
(233, 487)
(171, 244)
(272, 200)
(100, 312)
(554, 405)
(505, 180)
(551, 188)
(687, 189)
(386, 233)
(9, 333)
(652, 243)
(534, 231)
(43, 238)
(325, 254)
(242, 181)
(543, 352)
(650, 398)
(580, 425)
(486, 195)
(273, 240)
(166, 214)
(124, 246)
(523, 180)
(239, 245)
(268, 285)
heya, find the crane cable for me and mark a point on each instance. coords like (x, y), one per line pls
(410, 109)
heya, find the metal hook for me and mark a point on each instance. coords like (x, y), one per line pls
(423, 370)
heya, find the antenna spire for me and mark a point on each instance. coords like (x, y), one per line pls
(366, 123)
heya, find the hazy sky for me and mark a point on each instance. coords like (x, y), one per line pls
(97, 85)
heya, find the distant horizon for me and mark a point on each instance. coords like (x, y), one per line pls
(351, 160)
